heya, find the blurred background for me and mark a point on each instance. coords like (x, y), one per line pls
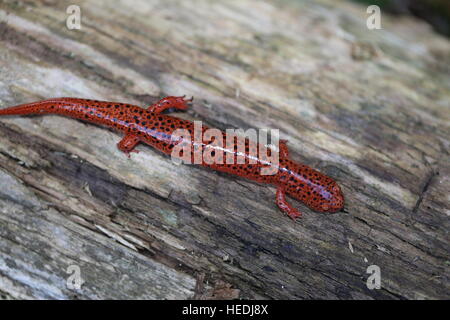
(435, 12)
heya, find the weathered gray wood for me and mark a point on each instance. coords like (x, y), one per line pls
(369, 108)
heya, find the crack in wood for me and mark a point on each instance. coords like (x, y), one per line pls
(427, 183)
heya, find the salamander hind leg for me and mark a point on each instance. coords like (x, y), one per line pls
(285, 206)
(179, 103)
(128, 143)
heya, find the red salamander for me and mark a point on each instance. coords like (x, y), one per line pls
(151, 126)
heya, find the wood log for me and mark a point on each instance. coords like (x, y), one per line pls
(369, 108)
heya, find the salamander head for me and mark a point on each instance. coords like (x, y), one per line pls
(316, 190)
(331, 199)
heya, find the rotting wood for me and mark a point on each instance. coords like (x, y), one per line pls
(368, 108)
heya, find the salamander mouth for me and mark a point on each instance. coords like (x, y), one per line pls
(334, 205)
(335, 209)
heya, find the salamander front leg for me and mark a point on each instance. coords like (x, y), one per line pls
(282, 146)
(178, 103)
(284, 206)
(128, 143)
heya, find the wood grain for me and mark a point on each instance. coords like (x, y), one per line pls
(368, 108)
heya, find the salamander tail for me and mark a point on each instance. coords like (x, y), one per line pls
(41, 107)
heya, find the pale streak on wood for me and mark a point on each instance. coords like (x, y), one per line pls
(116, 237)
(142, 85)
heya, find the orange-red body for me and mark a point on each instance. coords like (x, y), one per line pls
(150, 126)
